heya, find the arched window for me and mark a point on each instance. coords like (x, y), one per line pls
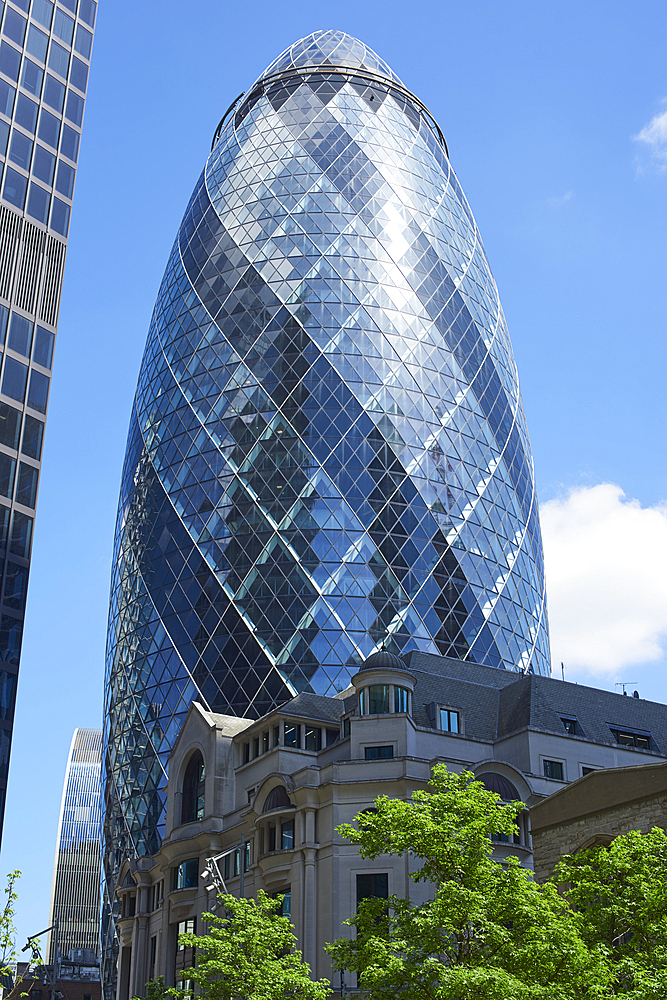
(508, 792)
(277, 799)
(193, 790)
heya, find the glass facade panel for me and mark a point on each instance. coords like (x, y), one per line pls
(327, 449)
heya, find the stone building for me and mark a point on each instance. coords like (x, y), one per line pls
(267, 795)
(596, 809)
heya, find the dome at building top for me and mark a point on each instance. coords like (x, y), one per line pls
(382, 659)
(323, 49)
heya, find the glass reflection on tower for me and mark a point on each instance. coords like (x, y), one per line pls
(327, 449)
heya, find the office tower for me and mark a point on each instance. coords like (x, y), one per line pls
(75, 896)
(44, 59)
(327, 450)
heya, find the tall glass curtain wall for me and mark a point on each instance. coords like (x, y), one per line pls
(75, 896)
(44, 59)
(327, 449)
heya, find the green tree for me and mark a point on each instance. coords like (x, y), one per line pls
(490, 932)
(249, 954)
(620, 892)
(8, 953)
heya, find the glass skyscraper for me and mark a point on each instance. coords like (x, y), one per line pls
(327, 450)
(75, 897)
(44, 60)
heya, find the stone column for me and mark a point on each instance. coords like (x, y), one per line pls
(310, 909)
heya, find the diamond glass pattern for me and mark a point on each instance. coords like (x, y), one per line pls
(327, 450)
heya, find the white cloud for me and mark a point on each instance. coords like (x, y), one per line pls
(606, 570)
(559, 202)
(654, 135)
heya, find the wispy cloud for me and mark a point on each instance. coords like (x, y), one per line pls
(654, 137)
(606, 559)
(562, 200)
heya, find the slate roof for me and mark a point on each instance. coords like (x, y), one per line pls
(496, 703)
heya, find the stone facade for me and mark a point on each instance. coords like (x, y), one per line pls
(596, 809)
(274, 791)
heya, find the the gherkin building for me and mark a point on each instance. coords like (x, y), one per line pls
(327, 450)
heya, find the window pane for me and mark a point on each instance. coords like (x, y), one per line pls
(20, 335)
(378, 699)
(16, 586)
(74, 111)
(313, 738)
(4, 316)
(23, 4)
(87, 10)
(79, 74)
(84, 42)
(70, 4)
(43, 354)
(65, 180)
(7, 469)
(10, 424)
(39, 201)
(292, 733)
(7, 95)
(20, 150)
(26, 491)
(14, 379)
(400, 699)
(15, 187)
(31, 77)
(38, 393)
(54, 93)
(43, 164)
(37, 40)
(21, 535)
(10, 639)
(60, 217)
(33, 435)
(49, 128)
(26, 113)
(69, 147)
(63, 26)
(287, 835)
(14, 26)
(4, 135)
(42, 11)
(4, 524)
(59, 59)
(9, 61)
(7, 693)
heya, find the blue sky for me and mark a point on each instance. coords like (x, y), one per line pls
(542, 106)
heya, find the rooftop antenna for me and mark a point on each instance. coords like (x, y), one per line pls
(624, 685)
(562, 670)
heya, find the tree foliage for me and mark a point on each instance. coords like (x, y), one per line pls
(490, 932)
(620, 893)
(249, 954)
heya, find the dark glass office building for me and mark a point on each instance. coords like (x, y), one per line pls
(327, 451)
(45, 53)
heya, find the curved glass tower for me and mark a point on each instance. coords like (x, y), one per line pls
(327, 449)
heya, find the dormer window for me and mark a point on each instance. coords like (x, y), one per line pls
(449, 720)
(193, 790)
(628, 738)
(569, 725)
